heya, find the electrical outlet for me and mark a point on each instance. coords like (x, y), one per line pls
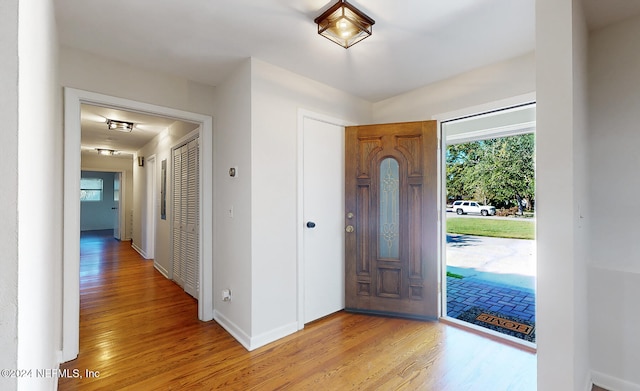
(226, 295)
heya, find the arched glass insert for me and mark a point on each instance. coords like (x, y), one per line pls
(389, 235)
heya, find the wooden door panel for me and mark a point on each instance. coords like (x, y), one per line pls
(368, 146)
(391, 265)
(389, 281)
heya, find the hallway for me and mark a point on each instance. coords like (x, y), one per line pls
(139, 331)
(126, 308)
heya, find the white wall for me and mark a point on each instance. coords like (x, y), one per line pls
(614, 274)
(86, 71)
(160, 146)
(255, 250)
(561, 171)
(276, 96)
(270, 180)
(39, 193)
(232, 235)
(90, 72)
(91, 161)
(581, 199)
(495, 82)
(256, 107)
(9, 189)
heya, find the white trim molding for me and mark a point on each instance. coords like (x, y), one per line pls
(252, 343)
(485, 108)
(73, 98)
(233, 329)
(162, 270)
(612, 383)
(273, 335)
(483, 134)
(470, 113)
(139, 250)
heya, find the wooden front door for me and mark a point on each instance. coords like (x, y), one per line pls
(391, 219)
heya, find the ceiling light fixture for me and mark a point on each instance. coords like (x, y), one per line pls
(122, 126)
(107, 152)
(344, 24)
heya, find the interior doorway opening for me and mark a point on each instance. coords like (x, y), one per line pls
(489, 250)
(100, 201)
(74, 100)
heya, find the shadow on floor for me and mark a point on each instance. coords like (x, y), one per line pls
(461, 240)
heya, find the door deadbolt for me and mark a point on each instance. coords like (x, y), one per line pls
(349, 228)
(349, 215)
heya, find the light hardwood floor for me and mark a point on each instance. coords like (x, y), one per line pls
(139, 331)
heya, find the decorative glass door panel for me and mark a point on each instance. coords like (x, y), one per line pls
(388, 241)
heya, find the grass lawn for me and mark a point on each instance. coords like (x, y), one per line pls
(514, 229)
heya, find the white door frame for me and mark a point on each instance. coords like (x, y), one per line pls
(442, 167)
(302, 115)
(119, 224)
(150, 237)
(73, 98)
(121, 203)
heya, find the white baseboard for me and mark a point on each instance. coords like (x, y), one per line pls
(161, 269)
(252, 343)
(588, 383)
(235, 331)
(139, 250)
(613, 383)
(273, 335)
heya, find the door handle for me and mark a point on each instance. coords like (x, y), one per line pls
(311, 224)
(114, 208)
(349, 228)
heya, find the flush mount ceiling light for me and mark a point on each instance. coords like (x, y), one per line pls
(344, 24)
(107, 152)
(122, 126)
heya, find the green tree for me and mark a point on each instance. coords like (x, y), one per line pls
(461, 161)
(499, 171)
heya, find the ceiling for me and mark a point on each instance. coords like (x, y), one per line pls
(414, 42)
(95, 134)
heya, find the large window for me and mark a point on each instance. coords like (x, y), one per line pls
(90, 189)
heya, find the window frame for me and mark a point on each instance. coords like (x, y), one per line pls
(85, 188)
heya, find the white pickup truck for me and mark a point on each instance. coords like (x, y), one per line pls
(464, 207)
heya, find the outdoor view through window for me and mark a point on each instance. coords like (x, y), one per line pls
(490, 221)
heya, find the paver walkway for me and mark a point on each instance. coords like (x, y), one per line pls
(465, 293)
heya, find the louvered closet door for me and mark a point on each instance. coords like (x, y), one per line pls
(186, 207)
(191, 213)
(178, 275)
